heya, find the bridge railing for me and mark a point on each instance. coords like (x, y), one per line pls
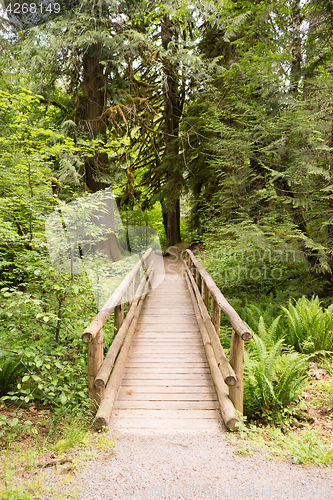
(131, 291)
(204, 289)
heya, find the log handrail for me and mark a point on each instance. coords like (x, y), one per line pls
(93, 334)
(100, 319)
(104, 372)
(227, 408)
(227, 372)
(111, 389)
(220, 300)
(201, 285)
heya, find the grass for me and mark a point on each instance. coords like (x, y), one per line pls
(23, 458)
(305, 446)
(302, 433)
(323, 397)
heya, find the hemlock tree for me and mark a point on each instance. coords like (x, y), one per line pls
(122, 78)
(264, 127)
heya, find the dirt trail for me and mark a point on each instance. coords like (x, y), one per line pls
(187, 465)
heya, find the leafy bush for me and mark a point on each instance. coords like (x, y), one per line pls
(273, 378)
(310, 328)
(54, 377)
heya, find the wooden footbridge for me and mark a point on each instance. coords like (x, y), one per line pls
(166, 368)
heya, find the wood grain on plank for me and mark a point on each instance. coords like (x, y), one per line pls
(167, 382)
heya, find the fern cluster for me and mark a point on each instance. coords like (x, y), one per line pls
(309, 327)
(273, 378)
(277, 357)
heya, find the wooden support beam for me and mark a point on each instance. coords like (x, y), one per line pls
(100, 319)
(136, 282)
(118, 316)
(198, 279)
(204, 293)
(130, 295)
(236, 392)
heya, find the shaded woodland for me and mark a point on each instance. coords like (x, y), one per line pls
(212, 122)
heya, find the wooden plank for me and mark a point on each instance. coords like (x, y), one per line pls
(167, 328)
(170, 414)
(166, 350)
(144, 396)
(167, 318)
(193, 334)
(166, 377)
(169, 370)
(154, 309)
(167, 357)
(166, 405)
(167, 341)
(162, 391)
(166, 424)
(160, 342)
(144, 364)
(170, 383)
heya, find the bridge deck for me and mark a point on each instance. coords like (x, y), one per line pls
(167, 383)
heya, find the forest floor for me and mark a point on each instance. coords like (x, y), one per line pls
(258, 463)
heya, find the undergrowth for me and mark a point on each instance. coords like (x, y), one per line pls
(305, 446)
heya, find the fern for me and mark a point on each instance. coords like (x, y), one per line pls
(272, 379)
(310, 328)
(10, 371)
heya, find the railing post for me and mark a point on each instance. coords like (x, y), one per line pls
(130, 296)
(118, 316)
(95, 360)
(198, 278)
(204, 292)
(215, 315)
(136, 282)
(236, 359)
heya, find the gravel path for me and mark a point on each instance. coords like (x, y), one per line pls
(189, 466)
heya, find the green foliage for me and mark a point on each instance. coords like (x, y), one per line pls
(254, 260)
(10, 371)
(54, 373)
(73, 432)
(305, 446)
(273, 378)
(264, 320)
(310, 328)
(323, 399)
(12, 428)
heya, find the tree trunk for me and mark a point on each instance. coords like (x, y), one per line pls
(93, 88)
(172, 113)
(296, 69)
